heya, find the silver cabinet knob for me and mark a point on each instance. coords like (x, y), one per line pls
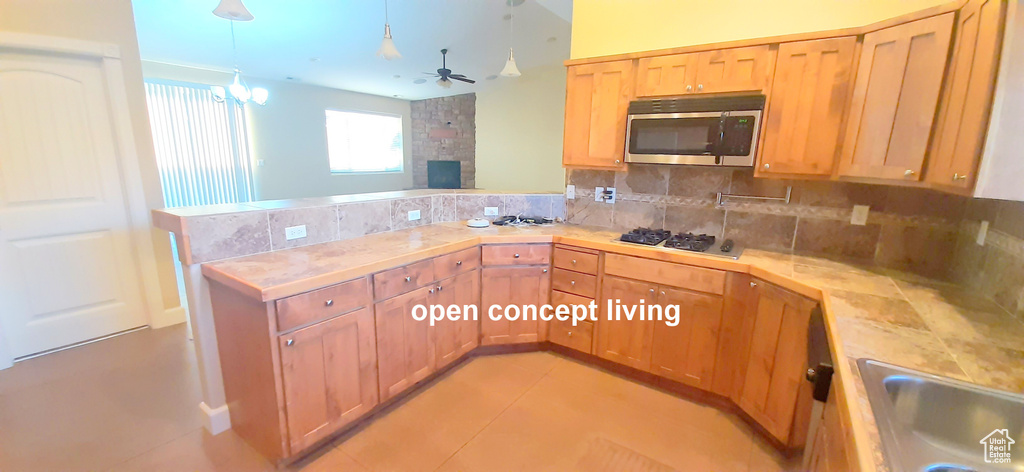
(290, 342)
(700, 87)
(908, 172)
(430, 291)
(458, 263)
(545, 271)
(329, 302)
(753, 284)
(569, 334)
(574, 262)
(618, 161)
(439, 288)
(959, 177)
(652, 290)
(689, 88)
(662, 292)
(572, 283)
(408, 279)
(515, 256)
(767, 166)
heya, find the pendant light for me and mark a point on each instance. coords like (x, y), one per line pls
(238, 89)
(510, 69)
(387, 46)
(233, 10)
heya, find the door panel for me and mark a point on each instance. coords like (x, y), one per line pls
(627, 342)
(808, 102)
(518, 286)
(894, 99)
(666, 75)
(597, 97)
(734, 70)
(686, 352)
(455, 338)
(67, 270)
(405, 348)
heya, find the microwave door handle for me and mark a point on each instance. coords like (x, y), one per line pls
(716, 149)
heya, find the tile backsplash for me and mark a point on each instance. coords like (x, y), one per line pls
(908, 228)
(995, 269)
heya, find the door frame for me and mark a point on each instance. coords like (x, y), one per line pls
(137, 212)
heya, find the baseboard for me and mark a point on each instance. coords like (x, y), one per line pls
(215, 420)
(168, 317)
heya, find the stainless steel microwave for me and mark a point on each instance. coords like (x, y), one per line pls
(711, 131)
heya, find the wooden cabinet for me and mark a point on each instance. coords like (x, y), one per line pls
(519, 286)
(894, 100)
(722, 70)
(596, 99)
(329, 373)
(807, 106)
(625, 341)
(777, 360)
(830, 452)
(405, 348)
(453, 339)
(966, 104)
(686, 352)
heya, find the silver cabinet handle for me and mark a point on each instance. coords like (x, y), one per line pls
(458, 263)
(908, 172)
(329, 302)
(290, 342)
(959, 177)
(700, 87)
(515, 256)
(753, 284)
(408, 279)
(689, 88)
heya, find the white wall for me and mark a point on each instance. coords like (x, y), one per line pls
(519, 126)
(289, 135)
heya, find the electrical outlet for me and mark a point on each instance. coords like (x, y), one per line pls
(294, 232)
(860, 215)
(260, 162)
(609, 195)
(490, 211)
(982, 234)
(414, 215)
(599, 194)
(570, 192)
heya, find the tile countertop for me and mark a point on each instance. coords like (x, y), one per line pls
(891, 316)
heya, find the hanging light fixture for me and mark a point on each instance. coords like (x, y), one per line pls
(510, 69)
(233, 10)
(238, 88)
(444, 82)
(387, 46)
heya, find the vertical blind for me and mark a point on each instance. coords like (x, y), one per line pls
(202, 145)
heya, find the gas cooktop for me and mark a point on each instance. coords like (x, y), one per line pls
(702, 243)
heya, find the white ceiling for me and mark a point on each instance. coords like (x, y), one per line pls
(333, 43)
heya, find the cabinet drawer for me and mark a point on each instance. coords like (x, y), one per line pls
(575, 261)
(456, 263)
(677, 275)
(577, 337)
(321, 304)
(402, 279)
(516, 254)
(574, 282)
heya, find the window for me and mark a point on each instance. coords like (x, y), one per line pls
(364, 142)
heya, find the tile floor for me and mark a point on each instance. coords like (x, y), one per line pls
(129, 404)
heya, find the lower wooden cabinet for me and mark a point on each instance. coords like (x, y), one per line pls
(405, 347)
(686, 352)
(777, 361)
(830, 453)
(503, 286)
(329, 372)
(453, 339)
(626, 342)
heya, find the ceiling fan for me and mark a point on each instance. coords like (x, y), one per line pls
(446, 75)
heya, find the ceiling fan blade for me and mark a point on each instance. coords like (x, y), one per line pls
(462, 79)
(458, 75)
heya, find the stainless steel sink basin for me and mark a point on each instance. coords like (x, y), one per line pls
(936, 424)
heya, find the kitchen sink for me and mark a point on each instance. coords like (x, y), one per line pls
(929, 423)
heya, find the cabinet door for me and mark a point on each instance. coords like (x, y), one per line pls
(805, 113)
(777, 358)
(596, 99)
(666, 75)
(329, 371)
(452, 338)
(405, 349)
(446, 331)
(624, 341)
(829, 453)
(894, 98)
(519, 286)
(964, 113)
(733, 70)
(686, 352)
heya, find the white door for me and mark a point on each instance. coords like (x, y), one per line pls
(68, 271)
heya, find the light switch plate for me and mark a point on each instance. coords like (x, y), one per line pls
(598, 193)
(414, 215)
(570, 192)
(490, 211)
(294, 232)
(260, 162)
(982, 234)
(860, 215)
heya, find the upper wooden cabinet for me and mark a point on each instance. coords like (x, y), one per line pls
(596, 99)
(723, 70)
(894, 99)
(966, 104)
(777, 359)
(807, 107)
(329, 373)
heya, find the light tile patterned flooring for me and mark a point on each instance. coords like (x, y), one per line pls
(130, 404)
